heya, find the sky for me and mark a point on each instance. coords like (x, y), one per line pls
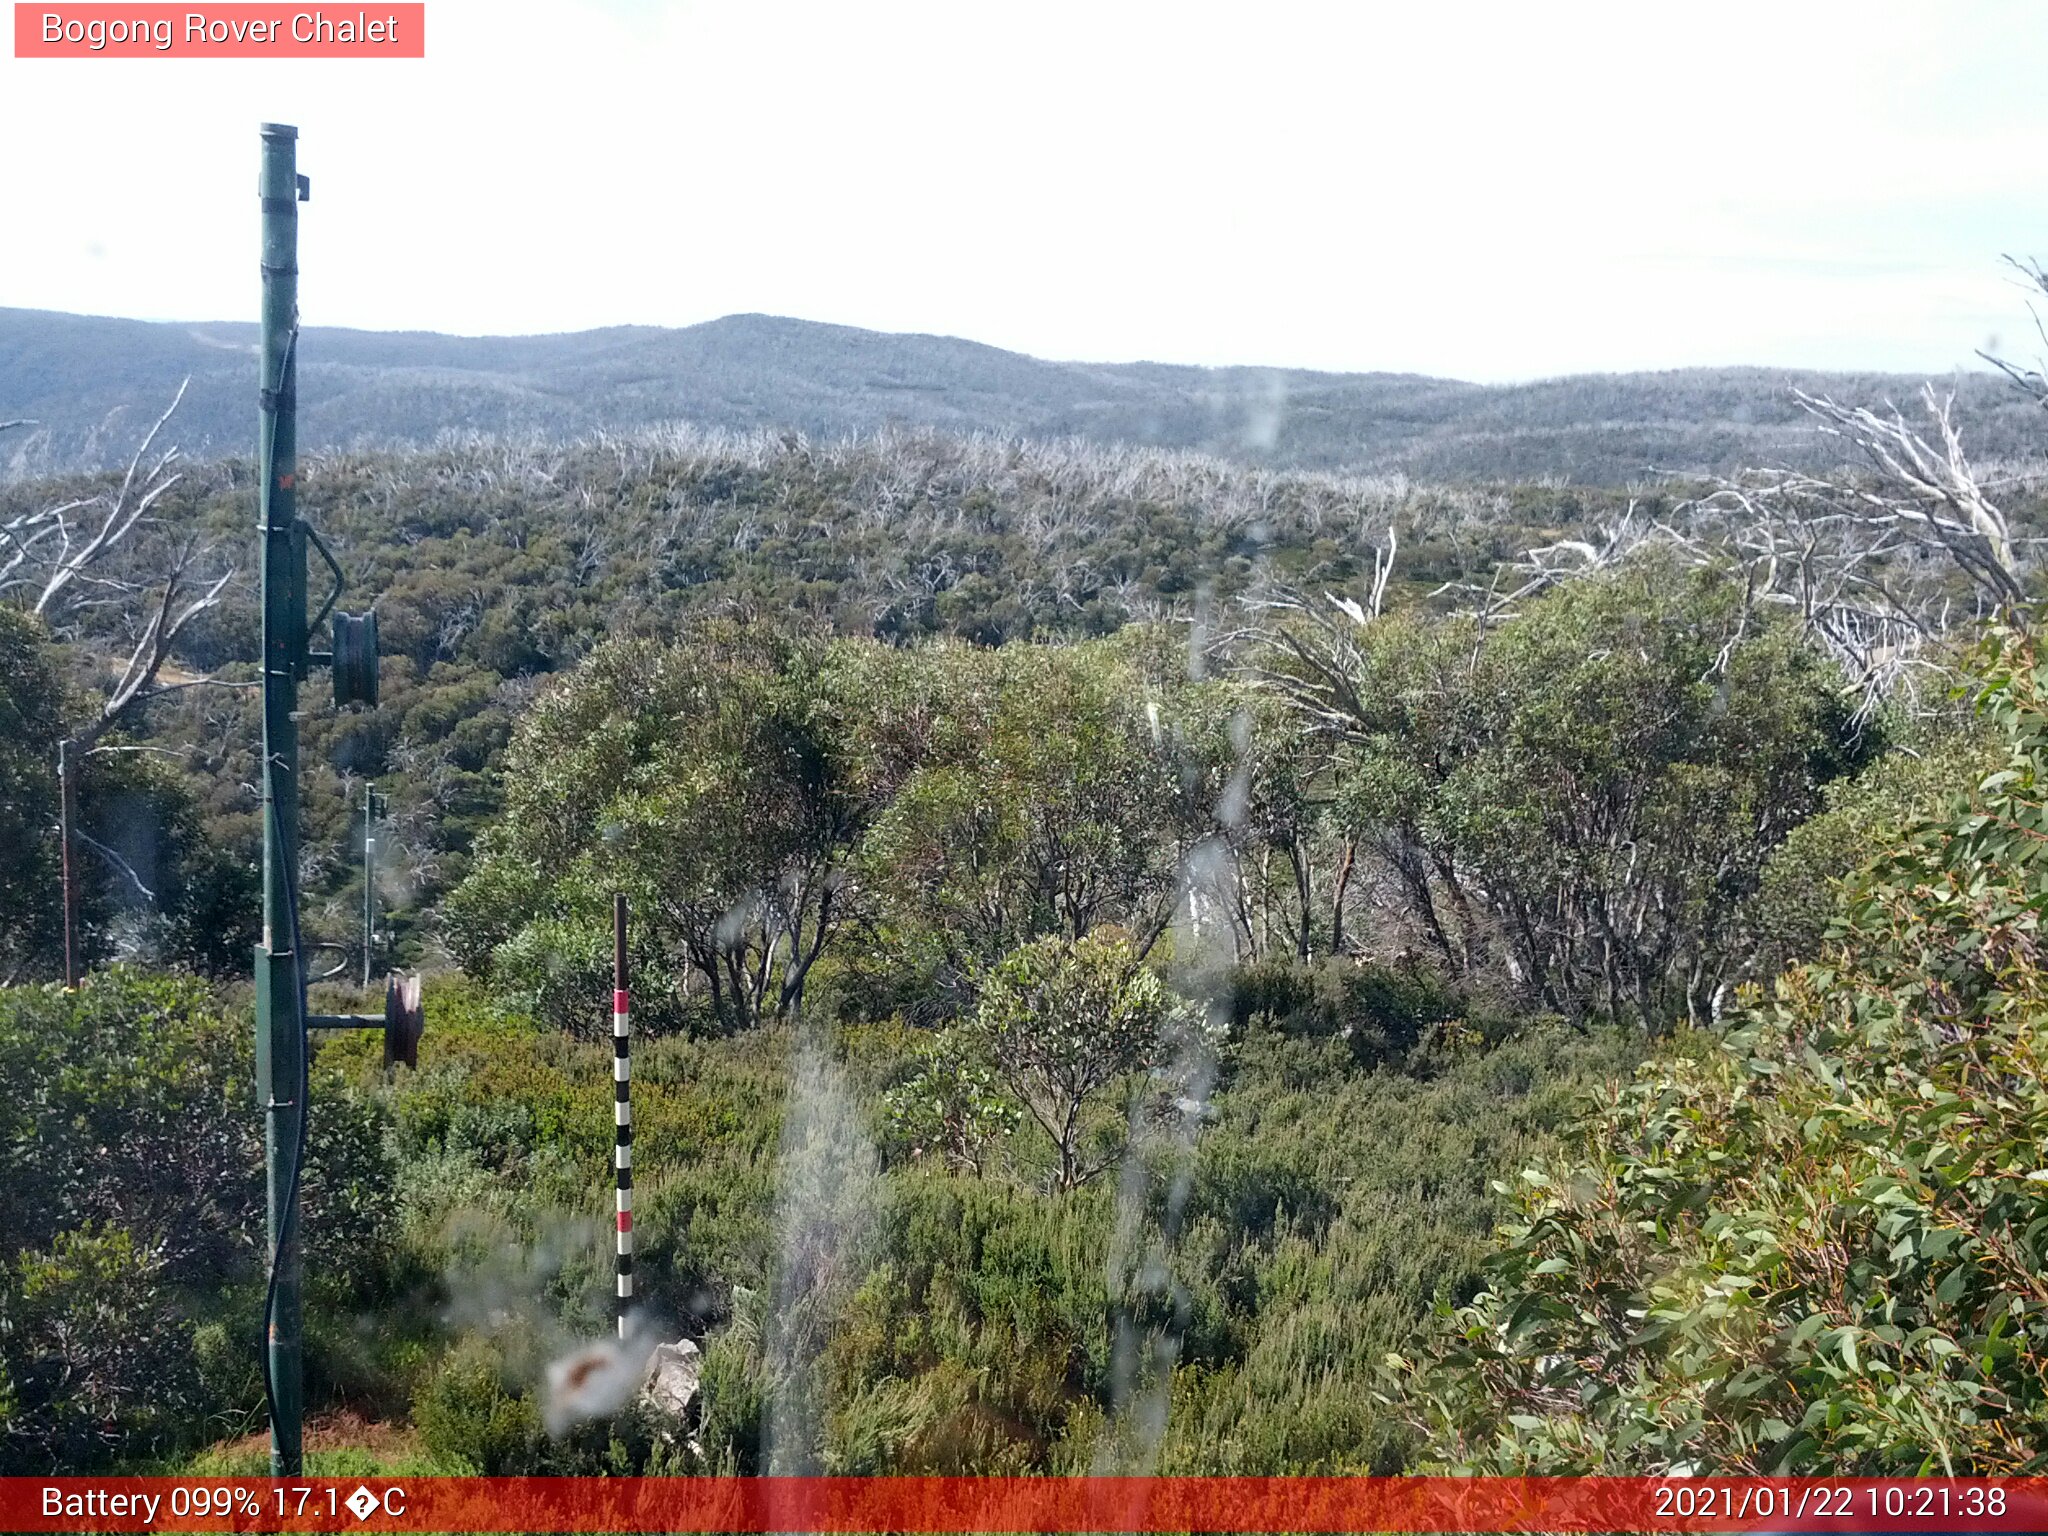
(1491, 192)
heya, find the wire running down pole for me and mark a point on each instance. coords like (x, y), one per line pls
(280, 975)
(369, 880)
(622, 1090)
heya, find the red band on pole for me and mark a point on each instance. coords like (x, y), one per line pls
(619, 1003)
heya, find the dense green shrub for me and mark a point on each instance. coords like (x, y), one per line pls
(1816, 1245)
(466, 1414)
(983, 1324)
(1581, 802)
(1380, 1012)
(952, 1110)
(703, 780)
(1861, 818)
(131, 1200)
(101, 1353)
(1328, 1208)
(480, 1411)
(148, 881)
(31, 714)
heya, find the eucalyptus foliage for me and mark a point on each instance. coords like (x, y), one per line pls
(1819, 1244)
(131, 1218)
(1067, 1022)
(702, 780)
(1587, 796)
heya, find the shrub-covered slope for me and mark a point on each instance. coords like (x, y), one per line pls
(1815, 1244)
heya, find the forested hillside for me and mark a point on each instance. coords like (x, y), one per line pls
(88, 383)
(495, 568)
(1112, 929)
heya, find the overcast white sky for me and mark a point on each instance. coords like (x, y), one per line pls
(1491, 192)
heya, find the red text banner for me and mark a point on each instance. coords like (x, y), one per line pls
(225, 31)
(967, 1504)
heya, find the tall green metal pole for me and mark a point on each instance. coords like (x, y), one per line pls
(280, 977)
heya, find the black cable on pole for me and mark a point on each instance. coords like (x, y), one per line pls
(291, 907)
(291, 1199)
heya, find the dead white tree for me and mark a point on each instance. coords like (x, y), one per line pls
(1879, 561)
(1926, 492)
(2034, 380)
(1497, 600)
(61, 562)
(1313, 652)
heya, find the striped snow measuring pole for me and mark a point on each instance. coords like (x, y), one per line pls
(622, 1090)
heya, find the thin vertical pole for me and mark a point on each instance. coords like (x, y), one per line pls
(369, 881)
(280, 980)
(64, 799)
(622, 1090)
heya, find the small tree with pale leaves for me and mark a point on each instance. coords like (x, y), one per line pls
(1066, 1022)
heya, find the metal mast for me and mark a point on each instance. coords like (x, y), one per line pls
(280, 975)
(282, 1022)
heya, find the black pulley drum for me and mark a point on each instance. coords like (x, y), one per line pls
(355, 658)
(405, 1019)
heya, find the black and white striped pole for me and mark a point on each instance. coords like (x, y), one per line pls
(622, 1089)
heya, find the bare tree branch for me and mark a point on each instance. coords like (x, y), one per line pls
(122, 512)
(2033, 380)
(114, 859)
(67, 570)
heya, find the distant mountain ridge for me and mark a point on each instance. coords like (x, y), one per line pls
(92, 383)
